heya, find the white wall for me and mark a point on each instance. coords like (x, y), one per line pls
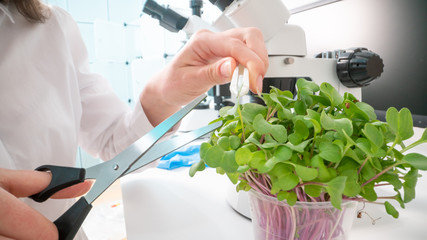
(124, 45)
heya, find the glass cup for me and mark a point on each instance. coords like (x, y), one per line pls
(276, 220)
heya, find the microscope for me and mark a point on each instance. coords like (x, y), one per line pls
(347, 70)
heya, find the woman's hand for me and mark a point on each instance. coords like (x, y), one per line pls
(20, 221)
(207, 59)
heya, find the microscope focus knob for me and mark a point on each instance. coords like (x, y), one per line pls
(358, 67)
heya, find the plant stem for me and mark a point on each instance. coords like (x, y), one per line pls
(311, 183)
(312, 145)
(383, 184)
(363, 164)
(392, 147)
(241, 121)
(271, 114)
(381, 173)
(388, 197)
(362, 200)
(411, 146)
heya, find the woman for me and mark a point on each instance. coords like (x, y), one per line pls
(50, 103)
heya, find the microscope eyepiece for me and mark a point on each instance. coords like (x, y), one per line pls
(196, 6)
(221, 4)
(167, 17)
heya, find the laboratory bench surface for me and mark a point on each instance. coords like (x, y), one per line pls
(159, 204)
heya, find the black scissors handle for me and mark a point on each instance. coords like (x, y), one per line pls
(62, 177)
(70, 222)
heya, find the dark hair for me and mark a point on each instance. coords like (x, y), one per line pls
(32, 10)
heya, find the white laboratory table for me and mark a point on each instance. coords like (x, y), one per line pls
(161, 204)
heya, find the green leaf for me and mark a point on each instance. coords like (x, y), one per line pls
(204, 147)
(368, 192)
(354, 112)
(400, 200)
(303, 84)
(286, 182)
(229, 127)
(352, 187)
(331, 93)
(339, 125)
(261, 126)
(250, 110)
(406, 128)
(234, 177)
(282, 178)
(268, 165)
(242, 169)
(313, 115)
(416, 160)
(305, 173)
(284, 113)
(229, 162)
(283, 153)
(213, 156)
(224, 111)
(234, 142)
(301, 129)
(424, 136)
(368, 109)
(279, 133)
(392, 118)
(290, 197)
(324, 174)
(335, 189)
(321, 100)
(391, 178)
(300, 147)
(243, 185)
(243, 156)
(300, 107)
(368, 172)
(294, 139)
(313, 190)
(196, 167)
(257, 159)
(330, 152)
(374, 135)
(364, 145)
(224, 142)
(391, 210)
(411, 179)
(401, 123)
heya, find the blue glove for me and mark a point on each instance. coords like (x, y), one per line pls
(183, 157)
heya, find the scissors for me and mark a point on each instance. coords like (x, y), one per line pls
(140, 153)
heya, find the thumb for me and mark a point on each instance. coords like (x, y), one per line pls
(223, 70)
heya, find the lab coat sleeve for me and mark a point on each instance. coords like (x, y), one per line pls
(107, 124)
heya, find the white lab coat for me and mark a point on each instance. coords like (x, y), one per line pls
(50, 103)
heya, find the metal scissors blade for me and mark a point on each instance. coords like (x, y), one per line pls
(172, 144)
(108, 172)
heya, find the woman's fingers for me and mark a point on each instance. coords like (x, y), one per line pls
(23, 222)
(245, 45)
(24, 183)
(74, 191)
